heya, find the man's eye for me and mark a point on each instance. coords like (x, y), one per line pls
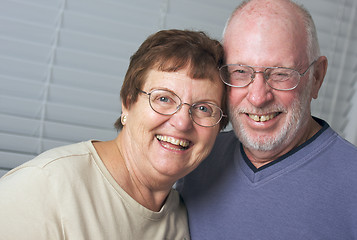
(279, 76)
(240, 71)
(283, 74)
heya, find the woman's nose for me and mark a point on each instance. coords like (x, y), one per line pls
(182, 119)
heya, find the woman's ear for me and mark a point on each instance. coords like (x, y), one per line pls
(124, 110)
(124, 114)
(320, 69)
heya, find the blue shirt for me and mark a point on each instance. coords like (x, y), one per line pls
(309, 193)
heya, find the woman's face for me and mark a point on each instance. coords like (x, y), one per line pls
(153, 143)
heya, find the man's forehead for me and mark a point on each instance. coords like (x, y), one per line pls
(273, 10)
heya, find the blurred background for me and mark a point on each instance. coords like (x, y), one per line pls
(62, 63)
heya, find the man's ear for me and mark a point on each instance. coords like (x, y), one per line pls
(320, 69)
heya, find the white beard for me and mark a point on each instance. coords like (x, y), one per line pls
(300, 111)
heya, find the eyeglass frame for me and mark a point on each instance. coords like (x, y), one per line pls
(266, 80)
(178, 107)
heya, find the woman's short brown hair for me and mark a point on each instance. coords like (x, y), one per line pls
(170, 51)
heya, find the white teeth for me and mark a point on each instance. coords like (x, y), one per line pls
(173, 141)
(262, 118)
(255, 117)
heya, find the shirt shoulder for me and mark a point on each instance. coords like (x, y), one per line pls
(56, 156)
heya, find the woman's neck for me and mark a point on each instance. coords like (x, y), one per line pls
(123, 170)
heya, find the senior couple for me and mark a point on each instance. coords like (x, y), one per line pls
(281, 174)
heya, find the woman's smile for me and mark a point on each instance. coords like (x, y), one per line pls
(173, 143)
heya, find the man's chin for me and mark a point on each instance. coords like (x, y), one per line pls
(260, 143)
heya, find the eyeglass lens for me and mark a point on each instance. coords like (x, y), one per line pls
(168, 103)
(278, 78)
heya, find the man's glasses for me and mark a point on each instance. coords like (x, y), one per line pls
(278, 78)
(165, 102)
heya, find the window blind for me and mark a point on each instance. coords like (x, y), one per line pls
(62, 63)
(336, 23)
(61, 68)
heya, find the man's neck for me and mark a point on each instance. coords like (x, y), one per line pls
(260, 158)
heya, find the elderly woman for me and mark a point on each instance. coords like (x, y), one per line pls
(173, 106)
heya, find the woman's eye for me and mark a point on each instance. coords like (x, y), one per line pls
(203, 109)
(164, 99)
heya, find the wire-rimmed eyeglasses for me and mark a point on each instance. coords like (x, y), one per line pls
(166, 102)
(278, 78)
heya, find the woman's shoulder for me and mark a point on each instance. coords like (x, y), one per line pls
(54, 157)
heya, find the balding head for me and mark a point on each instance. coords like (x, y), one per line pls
(271, 15)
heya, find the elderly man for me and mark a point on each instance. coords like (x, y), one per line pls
(282, 173)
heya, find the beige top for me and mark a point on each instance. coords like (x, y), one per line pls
(67, 193)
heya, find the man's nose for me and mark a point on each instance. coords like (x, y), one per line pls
(259, 92)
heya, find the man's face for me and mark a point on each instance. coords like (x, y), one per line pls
(268, 120)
